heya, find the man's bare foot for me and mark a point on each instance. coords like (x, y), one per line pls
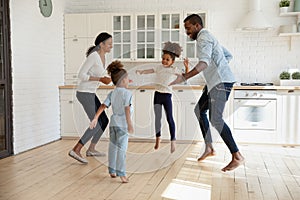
(207, 153)
(173, 146)
(124, 179)
(157, 142)
(237, 160)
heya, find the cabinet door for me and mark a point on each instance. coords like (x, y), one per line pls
(97, 23)
(144, 114)
(192, 128)
(74, 121)
(288, 117)
(75, 49)
(187, 124)
(75, 25)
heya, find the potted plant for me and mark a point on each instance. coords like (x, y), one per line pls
(296, 76)
(284, 5)
(287, 79)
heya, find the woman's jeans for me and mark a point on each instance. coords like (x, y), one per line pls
(214, 102)
(118, 144)
(164, 99)
(91, 103)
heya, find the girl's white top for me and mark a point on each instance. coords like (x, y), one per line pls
(164, 76)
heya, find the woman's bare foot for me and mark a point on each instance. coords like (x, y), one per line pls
(113, 175)
(237, 160)
(157, 142)
(206, 154)
(209, 151)
(124, 179)
(173, 146)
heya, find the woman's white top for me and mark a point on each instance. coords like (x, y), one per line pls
(92, 66)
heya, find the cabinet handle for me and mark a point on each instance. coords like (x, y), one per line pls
(70, 101)
(74, 76)
(75, 40)
(193, 103)
(291, 91)
(179, 90)
(142, 90)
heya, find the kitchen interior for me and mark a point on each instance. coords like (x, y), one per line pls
(46, 118)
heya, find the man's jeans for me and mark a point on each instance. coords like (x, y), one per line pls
(214, 102)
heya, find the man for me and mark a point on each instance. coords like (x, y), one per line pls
(213, 61)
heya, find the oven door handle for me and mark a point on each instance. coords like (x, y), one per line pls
(254, 104)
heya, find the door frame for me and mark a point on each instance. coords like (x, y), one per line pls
(7, 81)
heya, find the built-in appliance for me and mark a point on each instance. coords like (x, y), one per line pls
(255, 114)
(256, 84)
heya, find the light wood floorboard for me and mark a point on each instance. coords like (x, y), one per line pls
(47, 172)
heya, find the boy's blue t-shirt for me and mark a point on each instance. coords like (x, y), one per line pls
(119, 98)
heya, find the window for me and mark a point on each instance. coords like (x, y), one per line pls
(143, 38)
(170, 28)
(190, 49)
(146, 36)
(122, 37)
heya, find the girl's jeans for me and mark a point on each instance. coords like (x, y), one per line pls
(214, 102)
(117, 150)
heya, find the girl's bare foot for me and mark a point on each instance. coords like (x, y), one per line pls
(173, 146)
(237, 160)
(113, 175)
(124, 179)
(157, 142)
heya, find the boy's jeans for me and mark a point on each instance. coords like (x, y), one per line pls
(117, 150)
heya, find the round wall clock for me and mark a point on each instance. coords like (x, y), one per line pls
(45, 7)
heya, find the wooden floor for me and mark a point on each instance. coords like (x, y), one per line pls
(270, 172)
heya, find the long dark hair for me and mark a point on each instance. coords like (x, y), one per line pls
(102, 37)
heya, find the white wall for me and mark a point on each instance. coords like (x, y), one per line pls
(37, 71)
(258, 57)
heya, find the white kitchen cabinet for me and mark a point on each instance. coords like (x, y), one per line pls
(97, 23)
(288, 116)
(80, 33)
(75, 49)
(187, 124)
(76, 25)
(144, 114)
(74, 120)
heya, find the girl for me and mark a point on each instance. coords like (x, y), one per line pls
(120, 121)
(90, 74)
(163, 94)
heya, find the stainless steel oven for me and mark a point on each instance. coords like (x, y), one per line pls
(255, 114)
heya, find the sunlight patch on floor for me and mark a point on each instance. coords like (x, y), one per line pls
(186, 190)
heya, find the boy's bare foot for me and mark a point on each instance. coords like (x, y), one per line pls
(113, 175)
(237, 160)
(157, 142)
(173, 146)
(124, 179)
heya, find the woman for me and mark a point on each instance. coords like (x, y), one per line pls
(90, 74)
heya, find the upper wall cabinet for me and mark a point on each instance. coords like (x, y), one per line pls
(97, 23)
(136, 36)
(75, 25)
(87, 25)
(141, 36)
